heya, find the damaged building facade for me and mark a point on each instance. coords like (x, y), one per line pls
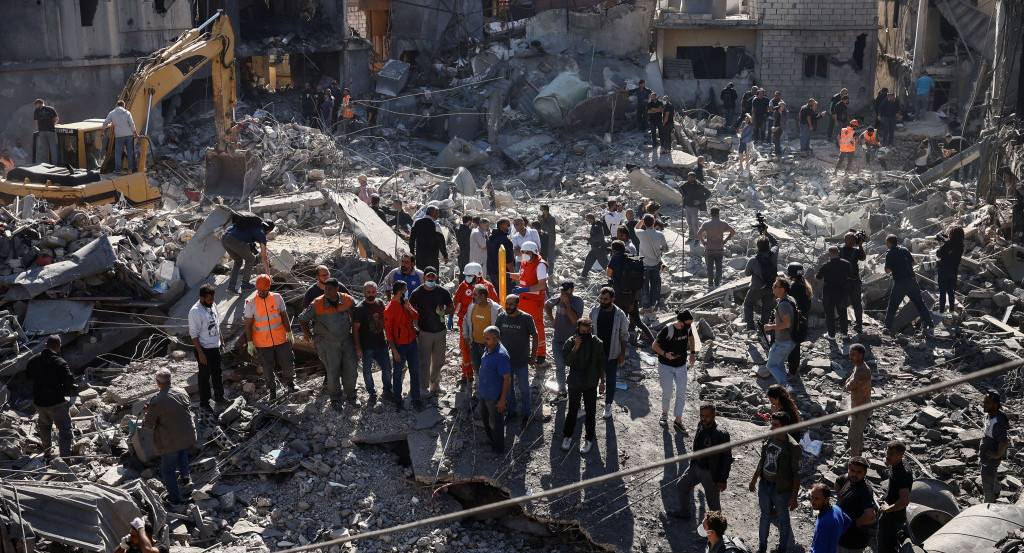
(805, 49)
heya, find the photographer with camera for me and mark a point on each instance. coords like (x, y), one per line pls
(695, 200)
(949, 255)
(762, 269)
(853, 252)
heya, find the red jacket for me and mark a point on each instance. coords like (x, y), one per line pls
(398, 326)
(464, 296)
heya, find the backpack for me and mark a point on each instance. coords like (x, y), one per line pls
(798, 327)
(246, 220)
(632, 278)
(769, 270)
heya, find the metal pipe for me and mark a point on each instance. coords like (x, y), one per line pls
(149, 110)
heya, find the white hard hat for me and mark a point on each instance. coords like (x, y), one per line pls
(474, 269)
(529, 246)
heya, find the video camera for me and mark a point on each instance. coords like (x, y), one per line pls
(859, 236)
(761, 225)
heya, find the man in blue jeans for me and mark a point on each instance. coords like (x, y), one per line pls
(519, 336)
(779, 474)
(900, 264)
(611, 325)
(785, 319)
(370, 341)
(924, 90)
(494, 387)
(174, 432)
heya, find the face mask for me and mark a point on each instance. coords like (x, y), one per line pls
(430, 284)
(371, 299)
(406, 295)
(469, 279)
(701, 531)
(527, 258)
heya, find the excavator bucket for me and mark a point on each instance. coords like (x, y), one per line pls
(231, 175)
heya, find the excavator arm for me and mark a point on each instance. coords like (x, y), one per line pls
(161, 72)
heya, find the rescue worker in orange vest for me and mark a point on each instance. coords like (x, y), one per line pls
(268, 330)
(330, 316)
(871, 141)
(847, 146)
(347, 111)
(463, 300)
(6, 163)
(533, 290)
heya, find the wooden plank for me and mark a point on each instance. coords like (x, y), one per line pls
(1002, 326)
(372, 233)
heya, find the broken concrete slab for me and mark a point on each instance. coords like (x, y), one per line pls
(677, 159)
(597, 112)
(287, 202)
(653, 188)
(424, 446)
(518, 150)
(464, 183)
(376, 239)
(56, 316)
(907, 314)
(93, 258)
(229, 306)
(427, 418)
(392, 77)
(204, 250)
(460, 153)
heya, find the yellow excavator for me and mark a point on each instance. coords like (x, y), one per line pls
(88, 171)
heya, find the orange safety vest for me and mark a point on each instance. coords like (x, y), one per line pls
(267, 326)
(346, 107)
(7, 165)
(871, 138)
(846, 142)
(528, 277)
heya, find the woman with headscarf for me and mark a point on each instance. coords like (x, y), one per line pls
(801, 292)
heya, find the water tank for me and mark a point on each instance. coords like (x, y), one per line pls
(714, 7)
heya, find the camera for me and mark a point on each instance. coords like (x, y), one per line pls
(941, 238)
(859, 236)
(761, 225)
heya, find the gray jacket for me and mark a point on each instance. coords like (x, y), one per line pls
(467, 321)
(620, 330)
(170, 418)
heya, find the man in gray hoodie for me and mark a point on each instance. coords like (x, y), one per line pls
(612, 326)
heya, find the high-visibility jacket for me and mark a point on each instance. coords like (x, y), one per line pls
(267, 325)
(528, 277)
(331, 322)
(846, 141)
(870, 138)
(5, 165)
(346, 107)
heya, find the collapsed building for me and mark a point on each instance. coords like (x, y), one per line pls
(492, 111)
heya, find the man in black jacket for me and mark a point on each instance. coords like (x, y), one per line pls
(888, 110)
(712, 472)
(462, 235)
(51, 383)
(695, 200)
(728, 97)
(835, 274)
(426, 241)
(759, 107)
(598, 246)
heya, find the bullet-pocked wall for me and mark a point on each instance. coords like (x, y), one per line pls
(76, 55)
(813, 49)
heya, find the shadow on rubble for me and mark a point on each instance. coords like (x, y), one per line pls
(678, 533)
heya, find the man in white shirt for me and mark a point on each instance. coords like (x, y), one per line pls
(613, 217)
(478, 242)
(652, 247)
(522, 235)
(365, 191)
(204, 328)
(124, 135)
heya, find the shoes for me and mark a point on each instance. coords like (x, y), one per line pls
(541, 361)
(354, 402)
(372, 400)
(388, 395)
(337, 406)
(858, 329)
(664, 419)
(399, 405)
(607, 412)
(436, 389)
(221, 402)
(205, 406)
(566, 444)
(417, 405)
(678, 425)
(424, 393)
(585, 446)
(291, 386)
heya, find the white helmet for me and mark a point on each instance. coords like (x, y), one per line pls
(474, 269)
(529, 246)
